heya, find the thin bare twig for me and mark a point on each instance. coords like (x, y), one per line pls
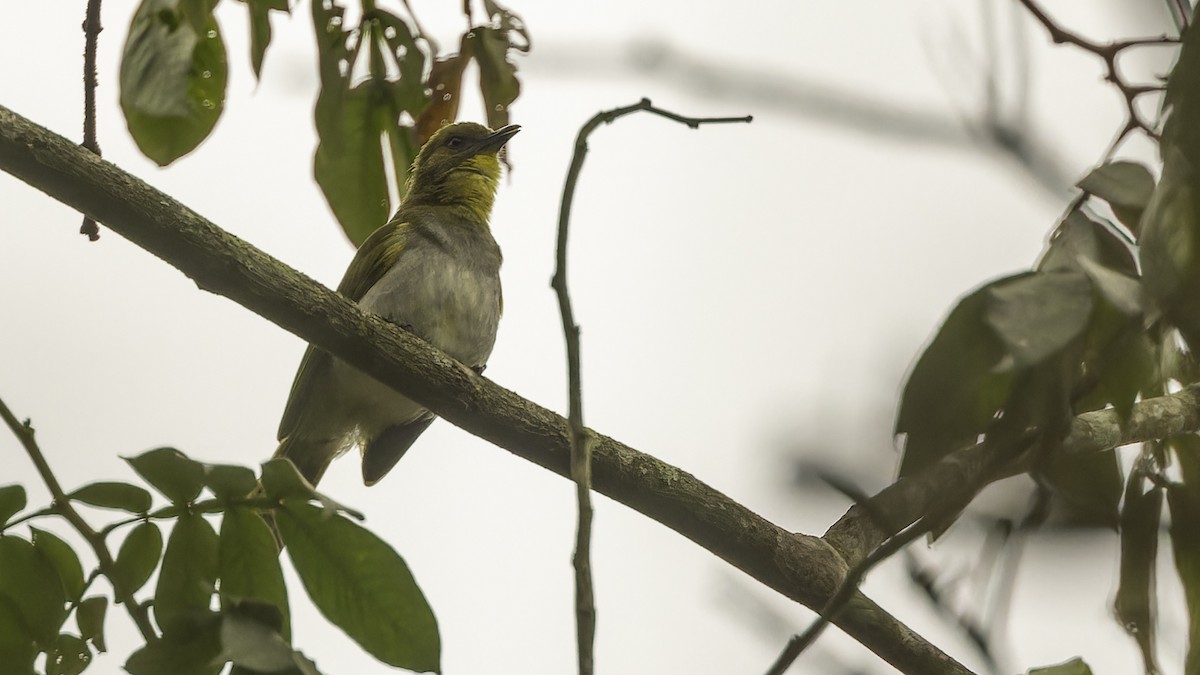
(1109, 53)
(91, 32)
(25, 435)
(581, 445)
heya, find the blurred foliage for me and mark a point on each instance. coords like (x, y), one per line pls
(220, 595)
(385, 88)
(1109, 315)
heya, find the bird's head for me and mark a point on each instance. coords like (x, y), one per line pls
(458, 166)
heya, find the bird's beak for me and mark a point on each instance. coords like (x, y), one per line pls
(496, 140)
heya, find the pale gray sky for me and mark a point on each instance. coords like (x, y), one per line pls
(738, 287)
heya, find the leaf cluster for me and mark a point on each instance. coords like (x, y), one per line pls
(220, 595)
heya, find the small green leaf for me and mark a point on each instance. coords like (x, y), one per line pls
(229, 482)
(172, 80)
(17, 649)
(281, 480)
(171, 472)
(1090, 482)
(138, 557)
(62, 556)
(1126, 186)
(1075, 666)
(363, 586)
(113, 495)
(497, 75)
(28, 579)
(12, 500)
(253, 645)
(196, 652)
(1079, 237)
(1185, 540)
(249, 564)
(1170, 245)
(70, 656)
(956, 386)
(89, 616)
(1039, 315)
(189, 573)
(445, 78)
(1134, 603)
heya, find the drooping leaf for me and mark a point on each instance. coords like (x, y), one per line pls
(361, 585)
(70, 656)
(1075, 666)
(62, 556)
(1185, 542)
(137, 557)
(249, 564)
(12, 500)
(188, 577)
(1126, 186)
(1181, 103)
(195, 652)
(956, 386)
(1187, 453)
(251, 644)
(1124, 366)
(113, 495)
(228, 482)
(172, 80)
(349, 163)
(1170, 245)
(445, 88)
(505, 20)
(1135, 598)
(89, 616)
(1079, 237)
(172, 473)
(1090, 482)
(1039, 315)
(17, 648)
(260, 29)
(497, 75)
(28, 580)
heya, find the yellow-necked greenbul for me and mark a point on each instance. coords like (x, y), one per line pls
(433, 269)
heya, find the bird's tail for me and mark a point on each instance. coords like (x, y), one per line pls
(311, 456)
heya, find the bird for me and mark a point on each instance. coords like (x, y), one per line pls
(434, 270)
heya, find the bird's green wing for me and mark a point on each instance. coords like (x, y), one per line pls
(375, 257)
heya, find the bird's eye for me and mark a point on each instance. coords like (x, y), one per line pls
(455, 142)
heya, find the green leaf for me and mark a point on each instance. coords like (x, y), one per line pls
(62, 556)
(1134, 603)
(281, 480)
(71, 656)
(196, 652)
(497, 75)
(1079, 237)
(956, 386)
(172, 80)
(250, 644)
(188, 577)
(249, 564)
(1090, 482)
(1124, 366)
(1039, 315)
(1181, 103)
(1126, 186)
(113, 495)
(1075, 666)
(1185, 541)
(1170, 246)
(89, 616)
(1187, 453)
(28, 580)
(363, 586)
(349, 163)
(17, 649)
(138, 557)
(445, 83)
(171, 472)
(12, 500)
(260, 29)
(229, 482)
